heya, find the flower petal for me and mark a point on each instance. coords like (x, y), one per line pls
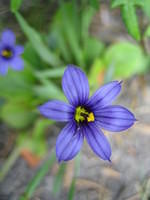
(69, 142)
(8, 37)
(17, 63)
(57, 110)
(115, 118)
(104, 95)
(19, 49)
(97, 141)
(3, 68)
(75, 85)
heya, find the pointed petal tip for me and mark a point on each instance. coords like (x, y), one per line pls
(59, 161)
(121, 81)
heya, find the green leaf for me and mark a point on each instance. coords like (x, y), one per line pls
(30, 56)
(128, 59)
(96, 74)
(129, 17)
(15, 5)
(21, 87)
(116, 3)
(11, 159)
(128, 12)
(40, 126)
(50, 73)
(58, 42)
(138, 2)
(17, 115)
(48, 90)
(71, 192)
(96, 46)
(35, 140)
(86, 19)
(95, 4)
(46, 167)
(146, 7)
(147, 32)
(109, 74)
(70, 31)
(37, 43)
(58, 181)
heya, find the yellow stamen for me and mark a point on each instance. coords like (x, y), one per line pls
(90, 117)
(82, 115)
(6, 53)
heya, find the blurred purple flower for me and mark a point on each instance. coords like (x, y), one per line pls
(86, 116)
(10, 53)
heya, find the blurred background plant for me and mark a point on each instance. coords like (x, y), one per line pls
(50, 44)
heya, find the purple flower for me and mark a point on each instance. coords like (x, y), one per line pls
(10, 53)
(86, 116)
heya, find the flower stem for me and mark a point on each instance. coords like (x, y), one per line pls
(10, 161)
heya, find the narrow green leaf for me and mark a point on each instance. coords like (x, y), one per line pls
(95, 4)
(138, 2)
(50, 73)
(86, 18)
(146, 7)
(48, 90)
(147, 32)
(59, 179)
(9, 162)
(15, 5)
(116, 3)
(96, 46)
(70, 33)
(38, 177)
(130, 19)
(71, 192)
(58, 41)
(37, 43)
(40, 126)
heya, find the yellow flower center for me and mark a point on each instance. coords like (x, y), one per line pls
(6, 53)
(82, 115)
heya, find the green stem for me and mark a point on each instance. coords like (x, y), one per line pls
(10, 161)
(38, 177)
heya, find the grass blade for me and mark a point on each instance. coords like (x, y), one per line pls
(37, 43)
(38, 177)
(59, 179)
(15, 5)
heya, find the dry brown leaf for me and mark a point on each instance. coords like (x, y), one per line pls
(88, 184)
(32, 159)
(111, 173)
